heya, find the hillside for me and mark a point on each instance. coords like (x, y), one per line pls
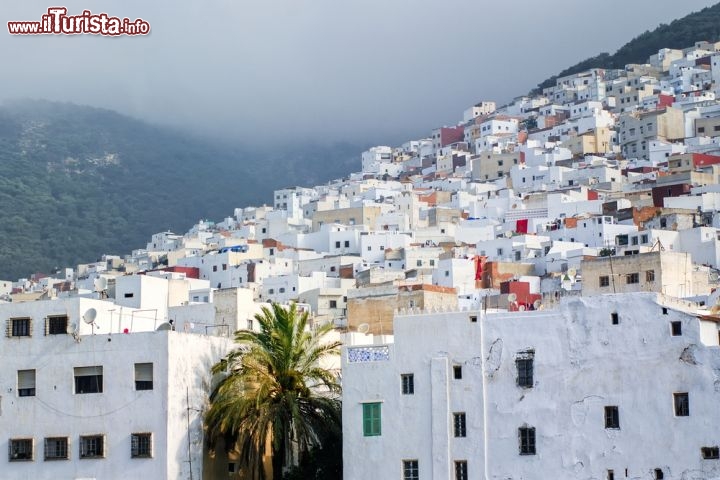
(77, 182)
(681, 33)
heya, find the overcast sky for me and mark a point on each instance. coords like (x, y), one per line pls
(324, 70)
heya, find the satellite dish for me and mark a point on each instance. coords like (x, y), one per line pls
(163, 327)
(363, 328)
(71, 328)
(521, 308)
(512, 297)
(537, 304)
(571, 272)
(100, 284)
(90, 316)
(508, 234)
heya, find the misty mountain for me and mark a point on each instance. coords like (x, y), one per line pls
(78, 182)
(680, 33)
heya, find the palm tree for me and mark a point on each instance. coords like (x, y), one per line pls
(274, 392)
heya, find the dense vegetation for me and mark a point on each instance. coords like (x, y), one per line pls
(78, 182)
(681, 33)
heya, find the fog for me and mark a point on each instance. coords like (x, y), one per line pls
(375, 71)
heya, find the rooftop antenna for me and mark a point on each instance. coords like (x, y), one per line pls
(72, 329)
(89, 318)
(100, 284)
(363, 328)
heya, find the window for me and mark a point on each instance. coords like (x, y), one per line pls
(347, 243)
(676, 328)
(282, 290)
(664, 310)
(408, 383)
(461, 471)
(224, 266)
(337, 244)
(650, 275)
(20, 449)
(410, 470)
(92, 446)
(26, 383)
(459, 424)
(56, 448)
(56, 325)
(604, 280)
(419, 263)
(612, 417)
(644, 238)
(659, 474)
(214, 268)
(432, 262)
(524, 362)
(88, 379)
(710, 453)
(457, 372)
(371, 419)
(19, 327)
(615, 318)
(473, 318)
(682, 404)
(610, 475)
(143, 376)
(141, 445)
(632, 278)
(527, 440)
(333, 303)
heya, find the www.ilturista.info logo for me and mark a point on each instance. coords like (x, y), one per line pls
(58, 22)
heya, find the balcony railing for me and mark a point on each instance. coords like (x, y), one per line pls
(379, 353)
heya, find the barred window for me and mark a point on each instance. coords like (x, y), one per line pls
(525, 363)
(141, 445)
(408, 383)
(19, 327)
(56, 448)
(92, 446)
(527, 440)
(20, 450)
(56, 325)
(459, 424)
(411, 470)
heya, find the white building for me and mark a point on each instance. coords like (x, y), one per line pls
(615, 386)
(103, 405)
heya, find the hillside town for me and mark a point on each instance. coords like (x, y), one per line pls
(529, 293)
